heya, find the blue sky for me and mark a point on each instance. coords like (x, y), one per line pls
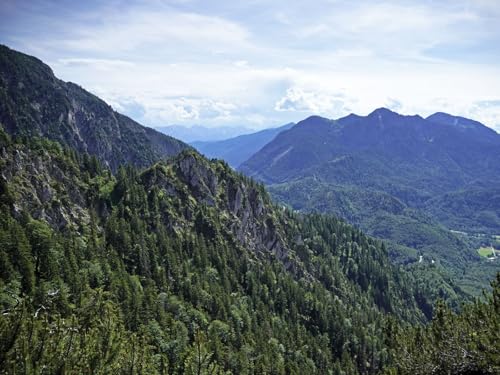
(265, 63)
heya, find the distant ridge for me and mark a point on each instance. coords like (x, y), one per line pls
(238, 149)
(199, 133)
(430, 143)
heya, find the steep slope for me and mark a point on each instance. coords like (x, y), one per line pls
(390, 174)
(33, 102)
(474, 209)
(238, 149)
(144, 271)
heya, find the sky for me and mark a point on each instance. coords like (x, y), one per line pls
(260, 63)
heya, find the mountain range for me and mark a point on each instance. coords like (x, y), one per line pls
(125, 251)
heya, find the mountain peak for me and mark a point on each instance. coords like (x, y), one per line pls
(314, 120)
(382, 111)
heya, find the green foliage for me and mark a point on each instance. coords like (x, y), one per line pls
(465, 343)
(185, 267)
(92, 339)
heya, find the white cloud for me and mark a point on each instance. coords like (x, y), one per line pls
(393, 104)
(296, 99)
(241, 63)
(260, 63)
(486, 111)
(136, 29)
(164, 110)
(399, 30)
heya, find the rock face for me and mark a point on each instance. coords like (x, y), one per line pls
(33, 102)
(206, 189)
(45, 187)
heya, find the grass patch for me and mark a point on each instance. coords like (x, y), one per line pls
(485, 251)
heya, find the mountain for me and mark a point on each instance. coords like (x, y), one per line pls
(238, 149)
(153, 269)
(33, 102)
(389, 174)
(199, 133)
(187, 267)
(432, 157)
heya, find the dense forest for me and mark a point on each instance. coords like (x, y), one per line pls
(465, 343)
(185, 267)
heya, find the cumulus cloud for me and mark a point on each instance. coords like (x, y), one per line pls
(488, 104)
(393, 104)
(297, 99)
(487, 112)
(160, 111)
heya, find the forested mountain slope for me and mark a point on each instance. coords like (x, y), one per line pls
(33, 102)
(465, 343)
(184, 264)
(405, 179)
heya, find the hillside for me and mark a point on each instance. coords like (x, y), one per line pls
(33, 102)
(238, 149)
(405, 179)
(155, 269)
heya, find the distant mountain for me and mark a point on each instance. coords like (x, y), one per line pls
(33, 102)
(238, 149)
(431, 156)
(198, 133)
(405, 179)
